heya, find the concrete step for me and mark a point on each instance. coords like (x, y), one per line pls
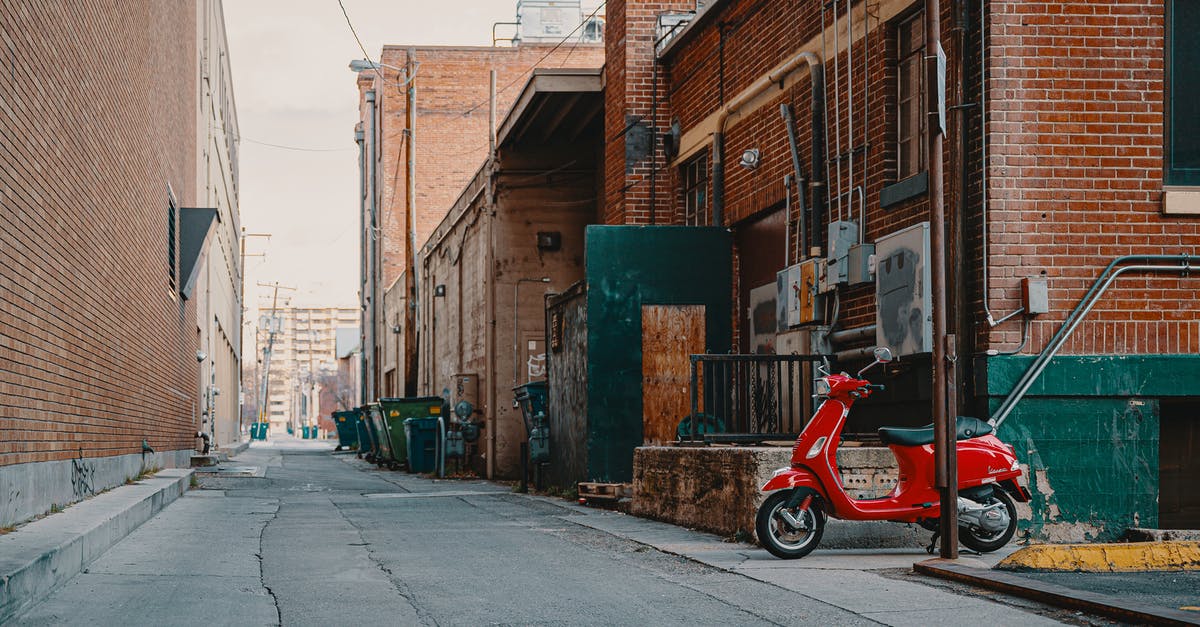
(43, 554)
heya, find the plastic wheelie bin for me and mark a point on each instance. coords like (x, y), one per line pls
(347, 430)
(422, 434)
(533, 397)
(397, 410)
(375, 451)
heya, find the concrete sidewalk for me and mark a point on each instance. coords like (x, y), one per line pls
(41, 555)
(867, 582)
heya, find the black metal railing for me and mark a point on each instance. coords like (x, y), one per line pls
(749, 398)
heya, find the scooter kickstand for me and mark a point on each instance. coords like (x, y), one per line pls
(932, 548)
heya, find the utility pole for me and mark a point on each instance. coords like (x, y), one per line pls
(945, 428)
(242, 302)
(271, 326)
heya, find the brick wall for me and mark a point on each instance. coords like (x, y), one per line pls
(635, 186)
(1076, 130)
(1075, 169)
(451, 127)
(97, 118)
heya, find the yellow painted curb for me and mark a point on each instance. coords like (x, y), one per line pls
(1106, 558)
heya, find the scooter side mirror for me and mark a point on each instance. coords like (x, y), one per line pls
(883, 354)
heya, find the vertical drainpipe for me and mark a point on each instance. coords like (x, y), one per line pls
(411, 312)
(818, 184)
(362, 260)
(372, 251)
(489, 210)
(759, 86)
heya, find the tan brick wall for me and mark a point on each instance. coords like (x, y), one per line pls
(451, 127)
(97, 118)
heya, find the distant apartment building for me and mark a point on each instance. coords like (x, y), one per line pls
(303, 361)
(415, 166)
(110, 234)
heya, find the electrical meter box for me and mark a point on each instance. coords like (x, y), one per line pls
(903, 299)
(799, 302)
(861, 262)
(464, 387)
(842, 235)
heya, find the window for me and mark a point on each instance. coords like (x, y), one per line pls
(172, 240)
(910, 97)
(1183, 94)
(695, 192)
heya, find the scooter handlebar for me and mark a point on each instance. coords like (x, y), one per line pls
(875, 387)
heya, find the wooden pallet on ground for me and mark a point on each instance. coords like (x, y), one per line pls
(604, 492)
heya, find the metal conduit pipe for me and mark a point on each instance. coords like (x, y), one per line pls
(854, 353)
(763, 83)
(1076, 316)
(846, 336)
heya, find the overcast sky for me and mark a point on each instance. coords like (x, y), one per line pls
(293, 88)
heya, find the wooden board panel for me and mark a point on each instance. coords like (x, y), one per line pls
(670, 334)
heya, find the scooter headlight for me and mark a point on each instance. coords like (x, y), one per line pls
(821, 387)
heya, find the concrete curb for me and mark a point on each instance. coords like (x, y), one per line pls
(1082, 600)
(1106, 558)
(233, 450)
(44, 554)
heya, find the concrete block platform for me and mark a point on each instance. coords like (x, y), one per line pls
(43, 554)
(715, 489)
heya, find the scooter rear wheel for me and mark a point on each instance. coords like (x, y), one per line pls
(779, 537)
(983, 542)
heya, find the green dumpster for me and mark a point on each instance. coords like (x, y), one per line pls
(397, 410)
(422, 434)
(347, 430)
(384, 454)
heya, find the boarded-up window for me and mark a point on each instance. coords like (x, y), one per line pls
(671, 334)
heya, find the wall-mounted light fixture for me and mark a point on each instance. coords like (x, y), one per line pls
(396, 328)
(751, 158)
(440, 290)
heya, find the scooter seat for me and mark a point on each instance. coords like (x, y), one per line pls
(968, 428)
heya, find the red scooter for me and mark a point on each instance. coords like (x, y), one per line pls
(791, 520)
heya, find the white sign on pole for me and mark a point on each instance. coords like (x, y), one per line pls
(941, 88)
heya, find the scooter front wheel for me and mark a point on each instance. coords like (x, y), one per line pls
(789, 533)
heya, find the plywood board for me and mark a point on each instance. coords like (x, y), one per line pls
(670, 335)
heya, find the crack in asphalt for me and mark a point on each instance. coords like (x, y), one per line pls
(262, 571)
(627, 557)
(398, 584)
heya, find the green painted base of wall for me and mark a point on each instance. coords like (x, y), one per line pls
(1088, 433)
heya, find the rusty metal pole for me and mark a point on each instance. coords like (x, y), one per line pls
(945, 428)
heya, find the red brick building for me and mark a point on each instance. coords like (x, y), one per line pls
(450, 87)
(98, 335)
(1065, 150)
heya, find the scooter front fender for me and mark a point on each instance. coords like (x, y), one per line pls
(786, 478)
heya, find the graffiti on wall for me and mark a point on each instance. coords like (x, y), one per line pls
(83, 475)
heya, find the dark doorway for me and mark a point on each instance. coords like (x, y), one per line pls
(1179, 465)
(759, 243)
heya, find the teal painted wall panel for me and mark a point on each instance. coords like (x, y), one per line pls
(1089, 434)
(627, 267)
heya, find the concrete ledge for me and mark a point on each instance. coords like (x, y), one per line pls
(715, 489)
(39, 556)
(1053, 594)
(233, 450)
(1106, 558)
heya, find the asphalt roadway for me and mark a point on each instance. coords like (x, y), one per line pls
(291, 534)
